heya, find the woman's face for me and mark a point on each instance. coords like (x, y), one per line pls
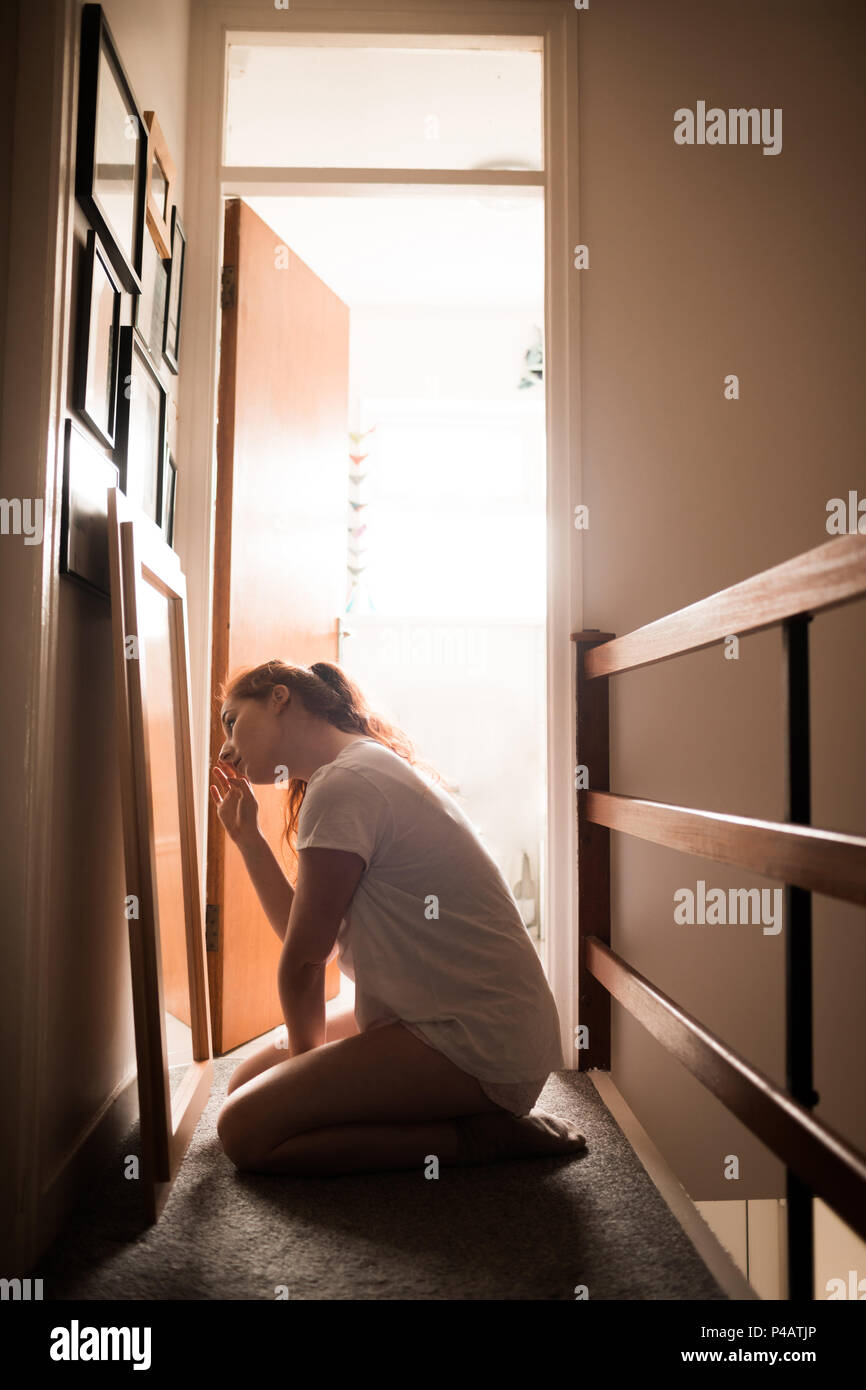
(256, 735)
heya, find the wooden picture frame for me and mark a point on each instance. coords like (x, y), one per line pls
(141, 426)
(97, 346)
(174, 297)
(111, 154)
(87, 477)
(161, 180)
(163, 904)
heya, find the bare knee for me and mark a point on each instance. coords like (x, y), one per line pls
(231, 1137)
(242, 1073)
(266, 1057)
(235, 1080)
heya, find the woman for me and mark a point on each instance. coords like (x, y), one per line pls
(454, 1029)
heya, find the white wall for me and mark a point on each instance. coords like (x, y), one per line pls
(469, 690)
(462, 354)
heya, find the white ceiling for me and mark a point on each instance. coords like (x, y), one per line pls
(468, 251)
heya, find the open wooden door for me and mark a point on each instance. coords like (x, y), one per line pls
(280, 556)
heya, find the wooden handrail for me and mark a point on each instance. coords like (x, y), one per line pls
(822, 861)
(818, 580)
(807, 860)
(819, 1155)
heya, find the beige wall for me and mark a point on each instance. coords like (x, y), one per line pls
(8, 43)
(91, 1047)
(78, 1045)
(707, 261)
(30, 305)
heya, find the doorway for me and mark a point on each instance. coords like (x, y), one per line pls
(443, 612)
(469, 180)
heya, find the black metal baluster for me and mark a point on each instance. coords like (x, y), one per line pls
(798, 947)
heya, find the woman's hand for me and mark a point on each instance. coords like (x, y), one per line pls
(236, 804)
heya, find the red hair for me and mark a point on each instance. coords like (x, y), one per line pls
(326, 691)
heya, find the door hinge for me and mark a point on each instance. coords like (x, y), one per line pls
(229, 283)
(212, 927)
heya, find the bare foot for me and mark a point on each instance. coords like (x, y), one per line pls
(488, 1138)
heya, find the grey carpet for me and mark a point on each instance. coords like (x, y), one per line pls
(524, 1229)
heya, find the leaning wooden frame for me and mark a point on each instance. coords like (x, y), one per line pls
(146, 579)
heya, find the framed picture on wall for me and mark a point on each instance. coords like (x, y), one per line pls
(169, 489)
(161, 176)
(150, 305)
(97, 343)
(87, 477)
(171, 342)
(111, 159)
(141, 425)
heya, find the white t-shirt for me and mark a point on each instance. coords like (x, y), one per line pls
(433, 936)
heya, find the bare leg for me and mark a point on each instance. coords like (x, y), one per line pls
(380, 1100)
(339, 1023)
(467, 1141)
(344, 1149)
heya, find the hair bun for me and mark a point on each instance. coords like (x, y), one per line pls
(324, 672)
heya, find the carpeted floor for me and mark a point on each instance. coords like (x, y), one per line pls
(524, 1229)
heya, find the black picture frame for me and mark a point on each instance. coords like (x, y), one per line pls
(111, 129)
(169, 492)
(87, 476)
(97, 340)
(141, 427)
(151, 306)
(174, 294)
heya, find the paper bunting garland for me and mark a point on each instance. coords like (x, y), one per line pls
(358, 597)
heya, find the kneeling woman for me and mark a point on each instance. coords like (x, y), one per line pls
(455, 1029)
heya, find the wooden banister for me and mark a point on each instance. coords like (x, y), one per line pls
(806, 859)
(819, 1155)
(820, 579)
(823, 861)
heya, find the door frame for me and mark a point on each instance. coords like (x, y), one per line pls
(209, 182)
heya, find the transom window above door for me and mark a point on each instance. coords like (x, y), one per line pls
(385, 101)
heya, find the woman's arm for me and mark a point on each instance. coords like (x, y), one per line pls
(327, 879)
(302, 998)
(238, 812)
(275, 892)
